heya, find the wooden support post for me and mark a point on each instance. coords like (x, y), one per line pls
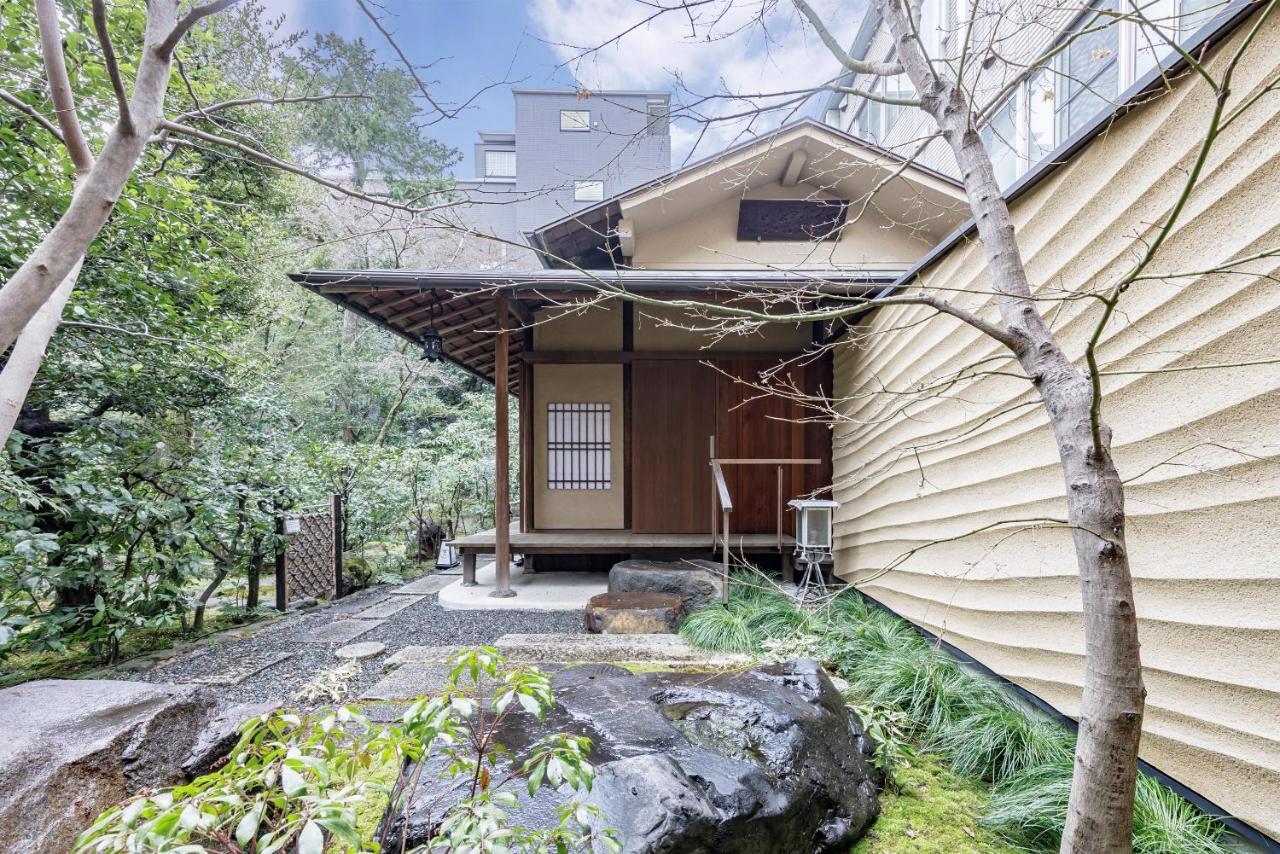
(724, 568)
(335, 510)
(468, 569)
(282, 595)
(502, 451)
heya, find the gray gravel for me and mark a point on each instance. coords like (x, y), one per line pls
(424, 623)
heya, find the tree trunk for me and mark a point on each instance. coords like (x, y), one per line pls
(28, 353)
(62, 248)
(255, 575)
(1100, 812)
(197, 621)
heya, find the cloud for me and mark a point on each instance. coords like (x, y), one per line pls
(714, 55)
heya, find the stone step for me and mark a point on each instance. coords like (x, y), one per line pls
(568, 648)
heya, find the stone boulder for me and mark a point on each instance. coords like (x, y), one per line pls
(763, 761)
(72, 748)
(696, 582)
(634, 613)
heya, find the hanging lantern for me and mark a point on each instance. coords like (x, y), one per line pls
(813, 523)
(432, 345)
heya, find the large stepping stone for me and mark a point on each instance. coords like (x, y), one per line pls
(566, 648)
(242, 669)
(634, 613)
(634, 648)
(341, 631)
(426, 585)
(357, 651)
(696, 582)
(388, 607)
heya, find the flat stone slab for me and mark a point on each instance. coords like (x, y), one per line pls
(565, 648)
(357, 651)
(388, 607)
(422, 655)
(409, 682)
(242, 669)
(655, 649)
(341, 631)
(427, 584)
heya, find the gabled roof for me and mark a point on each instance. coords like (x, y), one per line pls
(834, 161)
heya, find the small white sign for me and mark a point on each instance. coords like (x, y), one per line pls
(292, 526)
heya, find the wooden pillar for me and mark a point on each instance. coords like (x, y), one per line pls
(468, 569)
(335, 518)
(282, 594)
(502, 455)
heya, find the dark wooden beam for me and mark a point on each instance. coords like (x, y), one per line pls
(502, 457)
(526, 429)
(628, 346)
(451, 314)
(591, 357)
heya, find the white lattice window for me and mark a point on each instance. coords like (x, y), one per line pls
(500, 164)
(579, 446)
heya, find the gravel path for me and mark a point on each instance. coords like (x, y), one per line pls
(424, 623)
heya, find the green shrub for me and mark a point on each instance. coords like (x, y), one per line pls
(996, 739)
(1031, 806)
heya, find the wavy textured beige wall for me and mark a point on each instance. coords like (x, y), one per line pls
(1200, 448)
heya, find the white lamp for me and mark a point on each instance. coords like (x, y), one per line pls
(813, 523)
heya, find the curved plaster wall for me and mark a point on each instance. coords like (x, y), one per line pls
(1199, 448)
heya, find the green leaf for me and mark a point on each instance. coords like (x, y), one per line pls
(311, 840)
(292, 782)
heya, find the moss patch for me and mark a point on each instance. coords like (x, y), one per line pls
(377, 797)
(936, 812)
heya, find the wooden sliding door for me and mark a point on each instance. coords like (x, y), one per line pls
(673, 415)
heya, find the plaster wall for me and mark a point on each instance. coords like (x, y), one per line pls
(709, 240)
(577, 508)
(1198, 448)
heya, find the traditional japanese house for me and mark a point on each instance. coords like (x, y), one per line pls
(642, 427)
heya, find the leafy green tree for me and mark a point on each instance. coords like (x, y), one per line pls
(381, 133)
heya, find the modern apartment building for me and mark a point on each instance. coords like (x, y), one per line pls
(568, 150)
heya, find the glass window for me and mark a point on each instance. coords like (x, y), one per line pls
(1000, 135)
(500, 164)
(575, 120)
(870, 121)
(898, 86)
(1194, 14)
(588, 191)
(1089, 71)
(1040, 113)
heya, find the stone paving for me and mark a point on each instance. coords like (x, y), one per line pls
(275, 660)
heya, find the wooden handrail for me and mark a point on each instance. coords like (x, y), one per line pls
(726, 503)
(720, 527)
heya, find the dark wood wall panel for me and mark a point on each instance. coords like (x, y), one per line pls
(751, 424)
(673, 411)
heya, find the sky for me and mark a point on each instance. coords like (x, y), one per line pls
(719, 47)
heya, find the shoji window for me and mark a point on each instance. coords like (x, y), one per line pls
(579, 446)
